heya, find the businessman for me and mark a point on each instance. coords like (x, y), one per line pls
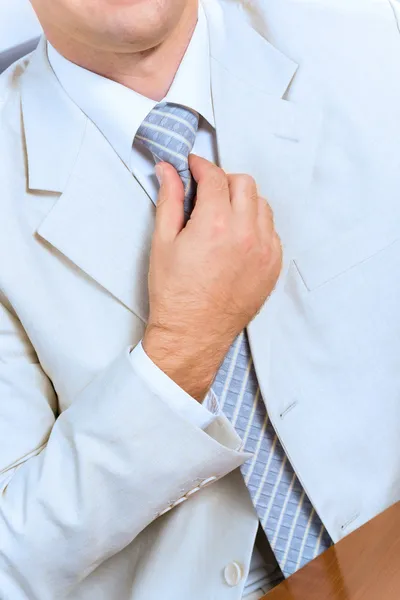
(199, 319)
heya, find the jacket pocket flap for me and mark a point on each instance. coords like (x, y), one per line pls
(318, 265)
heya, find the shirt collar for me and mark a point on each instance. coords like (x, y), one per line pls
(118, 111)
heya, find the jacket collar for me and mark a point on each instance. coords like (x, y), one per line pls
(103, 220)
(55, 126)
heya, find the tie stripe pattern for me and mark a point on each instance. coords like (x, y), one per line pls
(293, 528)
(290, 522)
(169, 132)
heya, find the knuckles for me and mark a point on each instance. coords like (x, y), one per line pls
(244, 179)
(218, 226)
(247, 240)
(243, 184)
(271, 254)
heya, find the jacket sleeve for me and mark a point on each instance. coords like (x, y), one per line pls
(77, 488)
(201, 414)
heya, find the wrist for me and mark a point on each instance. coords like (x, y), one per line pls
(190, 363)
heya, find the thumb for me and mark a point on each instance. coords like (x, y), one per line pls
(170, 218)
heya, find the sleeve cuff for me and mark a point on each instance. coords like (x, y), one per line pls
(199, 414)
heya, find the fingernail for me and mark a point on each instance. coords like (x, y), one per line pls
(159, 173)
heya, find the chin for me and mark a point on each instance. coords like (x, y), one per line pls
(136, 24)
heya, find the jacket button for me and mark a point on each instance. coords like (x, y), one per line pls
(233, 574)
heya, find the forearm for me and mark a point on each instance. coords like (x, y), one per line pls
(190, 361)
(91, 491)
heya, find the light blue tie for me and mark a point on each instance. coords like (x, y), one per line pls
(169, 132)
(290, 522)
(292, 526)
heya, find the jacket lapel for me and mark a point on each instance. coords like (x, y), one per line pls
(261, 133)
(103, 220)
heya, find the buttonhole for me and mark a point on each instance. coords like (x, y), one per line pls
(350, 521)
(287, 138)
(288, 409)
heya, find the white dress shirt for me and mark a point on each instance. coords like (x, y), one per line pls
(118, 112)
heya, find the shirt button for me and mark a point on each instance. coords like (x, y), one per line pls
(233, 574)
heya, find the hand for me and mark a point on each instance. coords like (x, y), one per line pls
(208, 279)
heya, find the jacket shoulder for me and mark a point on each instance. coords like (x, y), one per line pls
(322, 7)
(10, 106)
(10, 80)
(299, 26)
(334, 42)
(12, 150)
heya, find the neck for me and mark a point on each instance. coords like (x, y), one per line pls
(149, 73)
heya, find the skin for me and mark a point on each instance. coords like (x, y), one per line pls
(138, 43)
(207, 279)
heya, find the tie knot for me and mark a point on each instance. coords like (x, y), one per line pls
(169, 132)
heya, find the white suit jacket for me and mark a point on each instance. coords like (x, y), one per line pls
(19, 30)
(106, 492)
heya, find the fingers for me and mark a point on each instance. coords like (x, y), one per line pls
(217, 194)
(268, 232)
(265, 215)
(170, 203)
(237, 193)
(244, 197)
(212, 185)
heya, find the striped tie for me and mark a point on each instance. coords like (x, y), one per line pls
(169, 132)
(293, 528)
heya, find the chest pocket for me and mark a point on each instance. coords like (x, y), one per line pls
(319, 265)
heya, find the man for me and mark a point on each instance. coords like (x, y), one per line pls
(122, 475)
